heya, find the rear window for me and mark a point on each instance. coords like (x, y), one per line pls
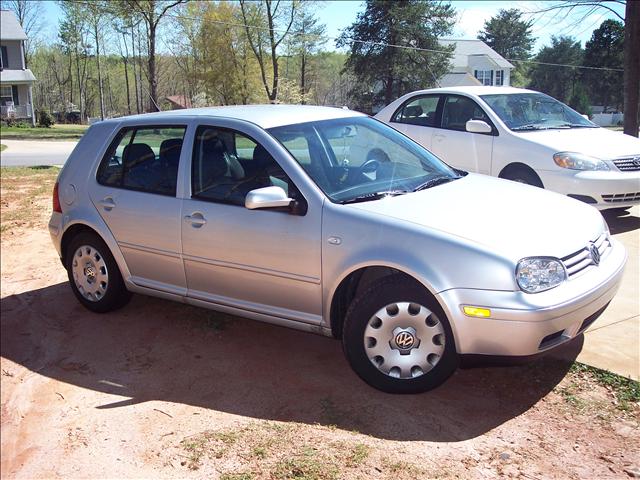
(144, 159)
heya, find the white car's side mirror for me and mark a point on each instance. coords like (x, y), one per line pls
(478, 126)
(267, 197)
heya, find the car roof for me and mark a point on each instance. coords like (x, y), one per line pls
(477, 90)
(265, 116)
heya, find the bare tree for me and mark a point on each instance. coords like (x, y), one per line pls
(254, 15)
(152, 12)
(30, 15)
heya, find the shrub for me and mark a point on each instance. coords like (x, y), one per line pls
(45, 120)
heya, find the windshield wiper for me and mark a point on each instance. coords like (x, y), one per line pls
(576, 125)
(374, 196)
(433, 182)
(529, 127)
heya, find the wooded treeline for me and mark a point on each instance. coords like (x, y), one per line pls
(118, 57)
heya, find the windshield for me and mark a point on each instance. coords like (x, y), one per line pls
(359, 158)
(534, 111)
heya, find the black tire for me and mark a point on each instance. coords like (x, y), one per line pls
(522, 175)
(388, 290)
(116, 295)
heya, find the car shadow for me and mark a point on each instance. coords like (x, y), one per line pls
(621, 221)
(158, 350)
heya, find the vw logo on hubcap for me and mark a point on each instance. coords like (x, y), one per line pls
(595, 254)
(405, 340)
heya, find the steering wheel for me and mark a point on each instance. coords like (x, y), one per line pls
(370, 166)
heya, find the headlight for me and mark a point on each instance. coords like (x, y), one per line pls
(578, 161)
(537, 274)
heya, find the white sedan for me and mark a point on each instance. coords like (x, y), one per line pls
(525, 136)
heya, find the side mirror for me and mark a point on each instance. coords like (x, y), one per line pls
(267, 197)
(478, 126)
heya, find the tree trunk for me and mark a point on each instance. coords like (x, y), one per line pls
(303, 74)
(126, 83)
(632, 68)
(100, 86)
(153, 79)
(135, 72)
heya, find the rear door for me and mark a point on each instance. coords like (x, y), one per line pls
(418, 117)
(135, 193)
(457, 147)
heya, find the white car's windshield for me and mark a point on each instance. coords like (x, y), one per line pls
(534, 111)
(359, 159)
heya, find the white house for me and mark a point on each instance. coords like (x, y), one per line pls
(15, 79)
(475, 63)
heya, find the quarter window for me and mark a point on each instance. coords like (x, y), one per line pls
(227, 165)
(419, 111)
(144, 159)
(458, 110)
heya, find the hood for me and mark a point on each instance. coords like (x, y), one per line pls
(597, 142)
(509, 218)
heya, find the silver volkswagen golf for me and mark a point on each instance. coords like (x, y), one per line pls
(329, 221)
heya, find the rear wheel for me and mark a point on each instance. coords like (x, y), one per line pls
(522, 175)
(94, 275)
(397, 338)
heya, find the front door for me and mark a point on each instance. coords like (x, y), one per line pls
(135, 194)
(457, 147)
(264, 260)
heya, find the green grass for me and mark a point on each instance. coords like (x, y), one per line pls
(56, 132)
(625, 390)
(2, 147)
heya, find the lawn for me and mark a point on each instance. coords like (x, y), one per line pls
(56, 132)
(2, 147)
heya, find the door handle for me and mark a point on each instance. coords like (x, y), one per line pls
(107, 203)
(196, 219)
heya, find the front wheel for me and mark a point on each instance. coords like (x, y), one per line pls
(94, 274)
(397, 338)
(522, 175)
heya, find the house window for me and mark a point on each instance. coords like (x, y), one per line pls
(484, 76)
(499, 77)
(4, 60)
(6, 94)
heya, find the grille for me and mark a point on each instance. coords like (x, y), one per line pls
(622, 197)
(581, 260)
(628, 164)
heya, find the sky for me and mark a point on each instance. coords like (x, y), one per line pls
(337, 15)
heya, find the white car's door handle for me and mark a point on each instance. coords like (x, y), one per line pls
(107, 203)
(196, 219)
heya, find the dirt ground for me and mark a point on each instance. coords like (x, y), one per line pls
(164, 390)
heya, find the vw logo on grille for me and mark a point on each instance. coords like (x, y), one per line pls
(405, 340)
(636, 161)
(595, 254)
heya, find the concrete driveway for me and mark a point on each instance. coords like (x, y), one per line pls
(613, 341)
(30, 153)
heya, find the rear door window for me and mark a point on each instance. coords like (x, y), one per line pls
(145, 159)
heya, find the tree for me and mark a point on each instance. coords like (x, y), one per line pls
(605, 49)
(557, 80)
(631, 52)
(152, 12)
(508, 34)
(393, 49)
(632, 69)
(308, 37)
(30, 15)
(264, 39)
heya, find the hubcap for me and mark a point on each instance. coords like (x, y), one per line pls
(90, 273)
(404, 340)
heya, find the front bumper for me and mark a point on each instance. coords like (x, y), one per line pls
(523, 324)
(611, 189)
